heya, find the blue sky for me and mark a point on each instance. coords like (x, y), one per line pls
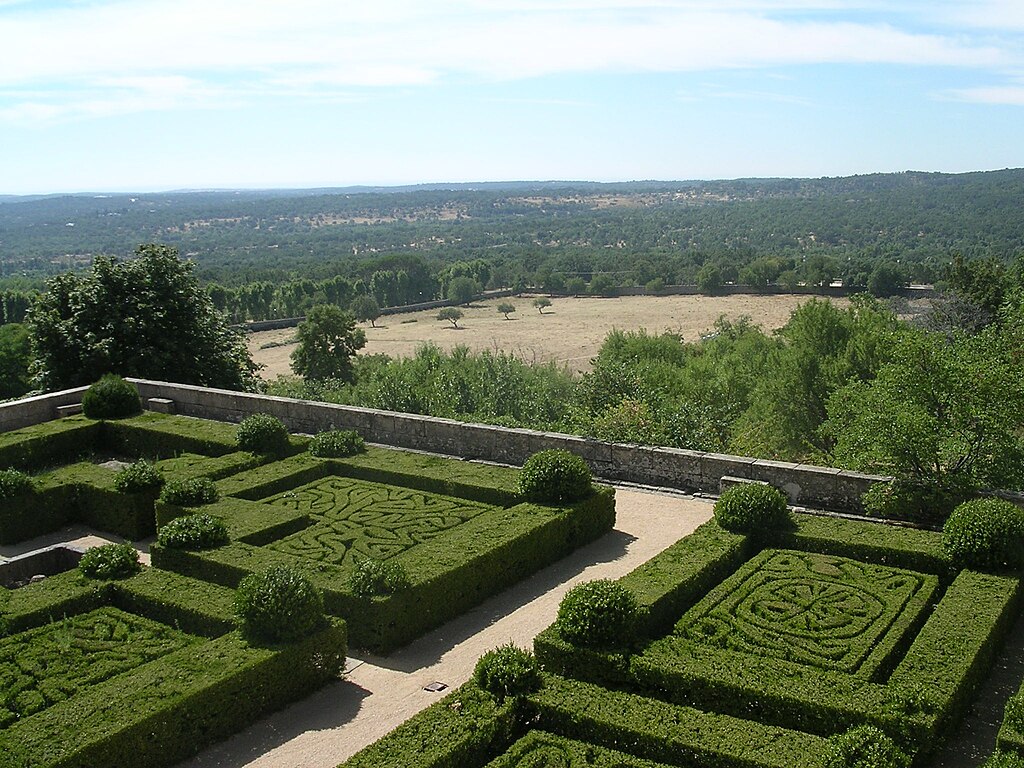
(105, 95)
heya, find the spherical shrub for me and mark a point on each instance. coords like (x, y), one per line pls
(751, 508)
(201, 531)
(279, 605)
(14, 483)
(336, 443)
(987, 534)
(111, 398)
(189, 492)
(507, 671)
(377, 577)
(599, 613)
(110, 561)
(555, 476)
(262, 433)
(864, 747)
(138, 476)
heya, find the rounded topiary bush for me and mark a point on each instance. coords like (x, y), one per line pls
(110, 561)
(279, 605)
(201, 531)
(336, 444)
(599, 613)
(137, 477)
(986, 534)
(864, 747)
(555, 476)
(262, 433)
(507, 671)
(377, 577)
(751, 508)
(111, 398)
(14, 483)
(189, 492)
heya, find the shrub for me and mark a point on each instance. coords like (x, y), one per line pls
(555, 476)
(263, 433)
(1013, 714)
(751, 508)
(138, 476)
(111, 398)
(14, 483)
(1001, 759)
(864, 747)
(903, 499)
(507, 671)
(110, 561)
(201, 531)
(189, 492)
(336, 444)
(377, 577)
(985, 534)
(279, 605)
(599, 613)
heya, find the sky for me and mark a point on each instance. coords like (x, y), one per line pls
(145, 95)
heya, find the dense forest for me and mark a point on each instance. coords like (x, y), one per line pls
(276, 253)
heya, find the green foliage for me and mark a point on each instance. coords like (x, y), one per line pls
(279, 605)
(328, 340)
(1013, 713)
(542, 303)
(709, 279)
(902, 499)
(752, 508)
(263, 434)
(111, 398)
(365, 308)
(15, 360)
(14, 483)
(864, 747)
(371, 578)
(189, 492)
(1000, 759)
(555, 476)
(599, 613)
(200, 531)
(942, 413)
(506, 308)
(507, 672)
(336, 443)
(451, 314)
(138, 476)
(986, 534)
(146, 317)
(110, 561)
(461, 290)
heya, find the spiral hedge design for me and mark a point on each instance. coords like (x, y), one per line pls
(824, 611)
(356, 520)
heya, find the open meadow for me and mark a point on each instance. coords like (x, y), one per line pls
(569, 332)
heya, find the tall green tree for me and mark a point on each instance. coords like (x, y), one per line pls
(15, 356)
(144, 317)
(365, 308)
(328, 340)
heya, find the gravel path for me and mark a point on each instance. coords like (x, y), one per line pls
(379, 693)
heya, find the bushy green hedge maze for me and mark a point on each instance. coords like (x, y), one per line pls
(750, 652)
(460, 532)
(146, 670)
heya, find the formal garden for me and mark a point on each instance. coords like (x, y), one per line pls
(272, 553)
(763, 639)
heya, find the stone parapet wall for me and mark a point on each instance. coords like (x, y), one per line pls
(693, 471)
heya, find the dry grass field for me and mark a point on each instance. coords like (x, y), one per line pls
(570, 331)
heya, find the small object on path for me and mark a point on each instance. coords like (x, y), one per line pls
(435, 687)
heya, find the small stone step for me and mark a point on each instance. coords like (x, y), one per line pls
(160, 405)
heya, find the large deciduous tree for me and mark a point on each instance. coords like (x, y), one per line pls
(145, 317)
(328, 340)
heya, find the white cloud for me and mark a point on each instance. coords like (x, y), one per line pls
(157, 53)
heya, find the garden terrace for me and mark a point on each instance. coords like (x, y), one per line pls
(750, 651)
(459, 531)
(143, 671)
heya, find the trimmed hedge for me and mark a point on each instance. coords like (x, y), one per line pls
(987, 534)
(111, 398)
(555, 477)
(539, 750)
(263, 434)
(110, 561)
(599, 614)
(200, 531)
(507, 672)
(752, 508)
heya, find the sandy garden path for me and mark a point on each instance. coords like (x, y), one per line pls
(379, 693)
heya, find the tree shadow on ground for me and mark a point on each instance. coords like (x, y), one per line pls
(429, 649)
(330, 707)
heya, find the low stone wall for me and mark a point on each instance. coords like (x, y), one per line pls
(691, 471)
